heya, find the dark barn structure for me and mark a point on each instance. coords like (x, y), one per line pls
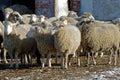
(46, 7)
(6, 3)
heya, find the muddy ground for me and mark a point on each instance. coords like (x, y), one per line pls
(101, 71)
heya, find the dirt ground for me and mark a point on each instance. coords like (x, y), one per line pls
(101, 71)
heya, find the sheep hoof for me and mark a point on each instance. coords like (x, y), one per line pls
(43, 65)
(65, 67)
(109, 63)
(49, 66)
(115, 64)
(78, 65)
(95, 63)
(101, 55)
(6, 62)
(69, 64)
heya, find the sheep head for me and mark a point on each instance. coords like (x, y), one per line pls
(72, 14)
(15, 17)
(64, 20)
(33, 18)
(42, 18)
(36, 30)
(86, 18)
(7, 12)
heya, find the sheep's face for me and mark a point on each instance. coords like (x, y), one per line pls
(33, 31)
(17, 15)
(7, 15)
(72, 14)
(91, 17)
(8, 29)
(65, 22)
(42, 19)
(34, 18)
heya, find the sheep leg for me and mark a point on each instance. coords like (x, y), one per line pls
(115, 57)
(78, 60)
(11, 61)
(23, 58)
(101, 54)
(88, 58)
(42, 61)
(26, 59)
(4, 55)
(30, 58)
(16, 59)
(63, 60)
(0, 56)
(74, 54)
(94, 62)
(69, 60)
(111, 54)
(96, 54)
(66, 61)
(38, 58)
(48, 60)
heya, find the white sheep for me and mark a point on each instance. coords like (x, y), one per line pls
(99, 36)
(2, 46)
(67, 40)
(15, 37)
(72, 14)
(45, 44)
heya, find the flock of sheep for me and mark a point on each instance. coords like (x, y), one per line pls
(27, 35)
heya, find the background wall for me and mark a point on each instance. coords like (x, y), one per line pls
(102, 9)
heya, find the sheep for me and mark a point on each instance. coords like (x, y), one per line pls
(17, 7)
(59, 23)
(72, 14)
(7, 12)
(15, 18)
(35, 20)
(67, 40)
(23, 19)
(68, 20)
(85, 17)
(15, 35)
(97, 37)
(13, 42)
(28, 46)
(45, 44)
(2, 48)
(45, 23)
(115, 21)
